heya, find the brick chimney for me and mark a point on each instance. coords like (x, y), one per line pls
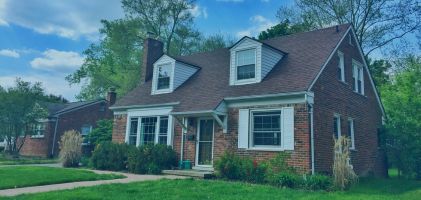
(152, 50)
(111, 96)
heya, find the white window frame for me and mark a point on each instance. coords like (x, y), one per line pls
(352, 133)
(338, 127)
(358, 68)
(85, 135)
(236, 66)
(38, 130)
(156, 77)
(251, 131)
(341, 65)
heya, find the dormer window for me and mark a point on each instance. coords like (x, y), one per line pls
(164, 76)
(246, 64)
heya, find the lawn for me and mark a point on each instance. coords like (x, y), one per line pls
(379, 189)
(5, 160)
(23, 176)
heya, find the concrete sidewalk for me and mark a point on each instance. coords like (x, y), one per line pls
(63, 186)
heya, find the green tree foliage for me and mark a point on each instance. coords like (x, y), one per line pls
(284, 28)
(402, 101)
(377, 23)
(19, 111)
(102, 132)
(380, 70)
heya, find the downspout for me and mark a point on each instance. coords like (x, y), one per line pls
(311, 138)
(183, 130)
(54, 138)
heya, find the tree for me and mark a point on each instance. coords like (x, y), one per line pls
(380, 72)
(284, 28)
(402, 102)
(102, 132)
(19, 111)
(377, 23)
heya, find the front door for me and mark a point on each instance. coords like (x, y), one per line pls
(204, 147)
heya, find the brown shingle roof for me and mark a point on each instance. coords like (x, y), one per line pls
(306, 54)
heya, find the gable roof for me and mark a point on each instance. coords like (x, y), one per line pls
(305, 56)
(55, 109)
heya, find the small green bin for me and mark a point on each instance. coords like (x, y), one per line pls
(186, 164)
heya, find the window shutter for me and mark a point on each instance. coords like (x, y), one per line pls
(288, 128)
(243, 128)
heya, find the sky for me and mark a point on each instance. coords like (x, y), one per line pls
(43, 40)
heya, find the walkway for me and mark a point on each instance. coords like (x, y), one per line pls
(64, 186)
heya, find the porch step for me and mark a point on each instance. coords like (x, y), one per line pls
(190, 173)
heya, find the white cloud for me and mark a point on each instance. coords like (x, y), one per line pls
(52, 84)
(54, 60)
(259, 24)
(199, 11)
(9, 53)
(70, 19)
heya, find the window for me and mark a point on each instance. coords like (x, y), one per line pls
(150, 130)
(133, 131)
(164, 76)
(336, 126)
(358, 78)
(246, 64)
(163, 130)
(351, 132)
(266, 128)
(350, 39)
(86, 129)
(38, 130)
(341, 67)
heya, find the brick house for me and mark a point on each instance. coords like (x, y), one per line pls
(289, 94)
(80, 116)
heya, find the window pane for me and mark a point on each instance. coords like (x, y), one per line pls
(245, 72)
(163, 130)
(164, 74)
(133, 131)
(246, 57)
(335, 127)
(148, 127)
(267, 128)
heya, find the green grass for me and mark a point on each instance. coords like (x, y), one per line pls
(6, 160)
(373, 189)
(24, 176)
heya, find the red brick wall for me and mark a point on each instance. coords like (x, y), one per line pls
(333, 96)
(73, 120)
(119, 128)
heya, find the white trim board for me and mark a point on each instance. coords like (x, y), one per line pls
(350, 29)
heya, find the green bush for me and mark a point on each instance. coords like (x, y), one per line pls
(285, 179)
(102, 132)
(318, 182)
(151, 159)
(233, 167)
(110, 156)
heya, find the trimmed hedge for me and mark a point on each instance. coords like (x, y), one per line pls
(111, 156)
(151, 159)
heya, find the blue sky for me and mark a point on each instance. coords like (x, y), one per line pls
(43, 40)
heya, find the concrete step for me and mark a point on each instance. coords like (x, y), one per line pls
(190, 173)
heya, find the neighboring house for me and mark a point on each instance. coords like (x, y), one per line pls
(80, 116)
(289, 94)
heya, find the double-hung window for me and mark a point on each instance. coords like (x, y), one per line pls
(38, 129)
(351, 132)
(246, 64)
(266, 129)
(341, 67)
(336, 126)
(148, 130)
(85, 130)
(164, 76)
(358, 77)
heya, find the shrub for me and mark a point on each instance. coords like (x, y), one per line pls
(110, 156)
(285, 179)
(318, 182)
(151, 159)
(71, 148)
(102, 132)
(343, 174)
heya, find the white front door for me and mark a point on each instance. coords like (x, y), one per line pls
(204, 146)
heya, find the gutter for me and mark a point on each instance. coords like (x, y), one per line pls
(55, 135)
(144, 106)
(310, 106)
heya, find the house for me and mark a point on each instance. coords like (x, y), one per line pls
(80, 116)
(290, 94)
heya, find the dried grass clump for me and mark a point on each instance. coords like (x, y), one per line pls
(71, 148)
(343, 173)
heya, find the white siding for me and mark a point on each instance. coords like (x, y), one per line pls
(182, 72)
(288, 128)
(270, 58)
